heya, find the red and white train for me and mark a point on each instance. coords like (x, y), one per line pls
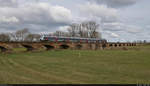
(72, 39)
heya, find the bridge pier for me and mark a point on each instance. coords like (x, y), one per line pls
(104, 46)
(82, 46)
(93, 47)
(97, 47)
(79, 47)
(124, 44)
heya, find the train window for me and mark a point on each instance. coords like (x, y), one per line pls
(51, 39)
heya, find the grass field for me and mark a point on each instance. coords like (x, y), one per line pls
(77, 67)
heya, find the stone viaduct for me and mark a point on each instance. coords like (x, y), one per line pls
(31, 46)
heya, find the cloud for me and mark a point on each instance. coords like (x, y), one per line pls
(117, 26)
(63, 28)
(112, 35)
(8, 3)
(35, 15)
(115, 3)
(103, 12)
(12, 19)
(43, 13)
(133, 29)
(114, 26)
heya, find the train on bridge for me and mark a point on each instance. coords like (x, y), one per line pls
(53, 42)
(72, 39)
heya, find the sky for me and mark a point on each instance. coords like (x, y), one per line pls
(119, 20)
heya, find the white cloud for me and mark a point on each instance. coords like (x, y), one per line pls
(4, 19)
(117, 26)
(36, 15)
(63, 28)
(61, 14)
(100, 11)
(45, 13)
(133, 29)
(113, 26)
(112, 35)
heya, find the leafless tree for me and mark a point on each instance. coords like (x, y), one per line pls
(58, 33)
(13, 37)
(19, 35)
(92, 28)
(73, 29)
(83, 31)
(51, 34)
(32, 37)
(4, 37)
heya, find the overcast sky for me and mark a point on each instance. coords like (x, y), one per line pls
(120, 20)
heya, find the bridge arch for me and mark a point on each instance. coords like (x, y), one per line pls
(119, 45)
(110, 45)
(64, 46)
(3, 49)
(28, 47)
(49, 47)
(115, 45)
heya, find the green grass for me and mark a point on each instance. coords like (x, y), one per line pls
(76, 67)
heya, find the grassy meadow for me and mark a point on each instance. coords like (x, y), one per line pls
(76, 66)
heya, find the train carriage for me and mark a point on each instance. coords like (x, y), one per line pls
(72, 39)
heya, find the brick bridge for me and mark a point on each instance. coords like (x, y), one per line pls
(30, 46)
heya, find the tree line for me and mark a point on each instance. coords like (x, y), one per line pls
(87, 29)
(19, 36)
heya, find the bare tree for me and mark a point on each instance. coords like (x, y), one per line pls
(83, 31)
(58, 33)
(13, 37)
(92, 28)
(37, 37)
(4, 37)
(20, 35)
(73, 30)
(80, 30)
(32, 37)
